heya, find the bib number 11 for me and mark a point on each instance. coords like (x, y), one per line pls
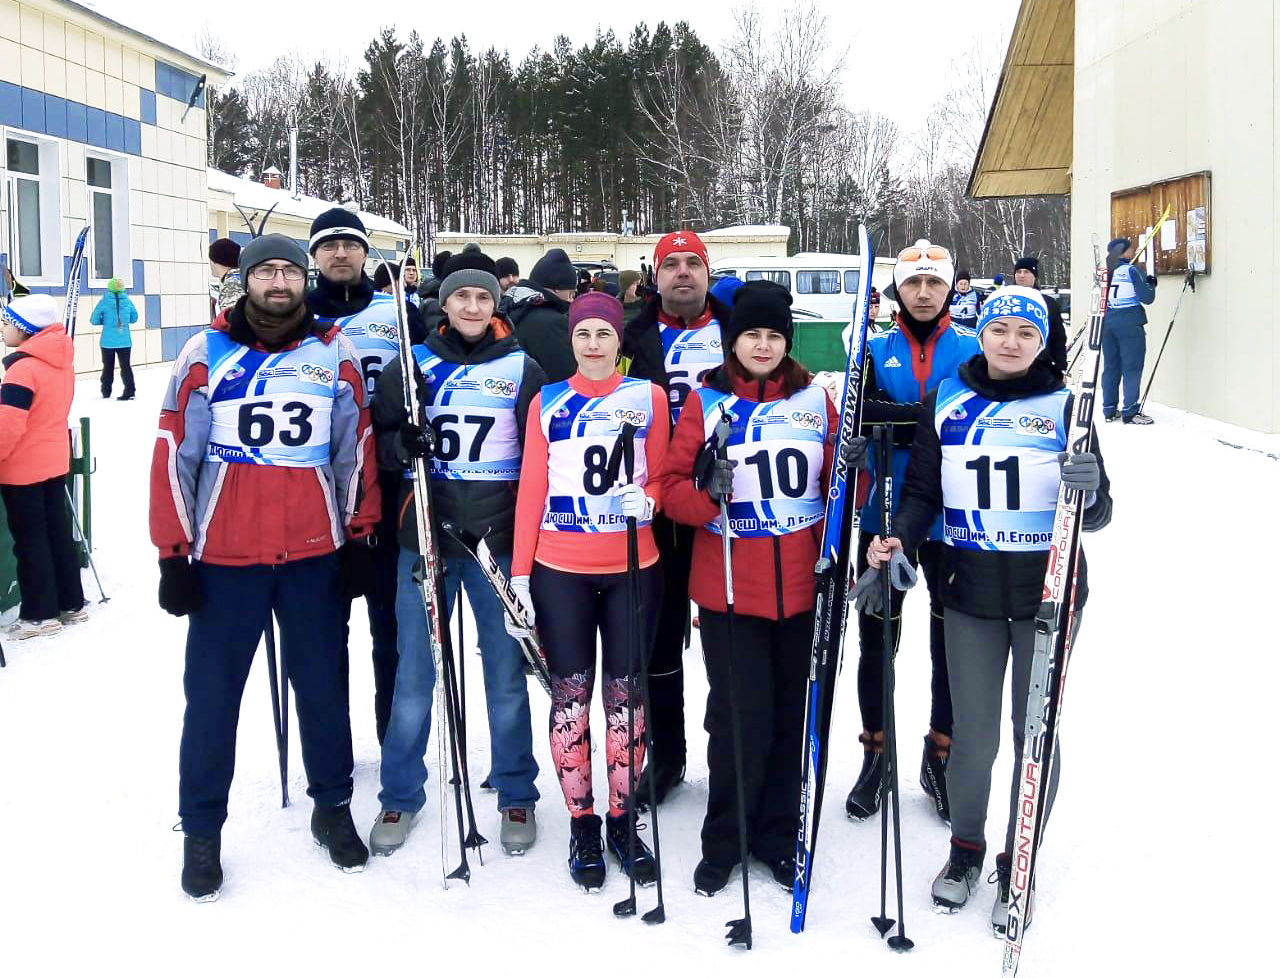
(982, 467)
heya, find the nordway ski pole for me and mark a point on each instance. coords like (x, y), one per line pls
(1188, 283)
(277, 702)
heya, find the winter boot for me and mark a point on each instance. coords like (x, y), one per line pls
(783, 870)
(22, 630)
(640, 864)
(586, 852)
(519, 831)
(933, 772)
(665, 778)
(389, 832)
(1000, 909)
(334, 832)
(202, 866)
(1138, 418)
(73, 617)
(709, 879)
(959, 877)
(864, 799)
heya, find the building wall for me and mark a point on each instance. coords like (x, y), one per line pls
(80, 86)
(1167, 87)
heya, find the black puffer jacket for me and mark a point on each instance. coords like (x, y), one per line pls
(642, 340)
(481, 509)
(541, 321)
(986, 583)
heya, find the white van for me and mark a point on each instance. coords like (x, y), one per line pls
(822, 284)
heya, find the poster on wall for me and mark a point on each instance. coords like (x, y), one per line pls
(1196, 236)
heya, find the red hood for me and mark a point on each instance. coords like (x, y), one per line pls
(51, 345)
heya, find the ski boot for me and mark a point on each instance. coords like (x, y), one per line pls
(783, 870)
(586, 852)
(519, 831)
(933, 772)
(709, 879)
(389, 832)
(864, 799)
(202, 866)
(959, 877)
(639, 865)
(334, 832)
(1000, 909)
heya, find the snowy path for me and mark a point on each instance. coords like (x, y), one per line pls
(1162, 706)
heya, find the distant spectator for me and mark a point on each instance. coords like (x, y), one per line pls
(411, 281)
(538, 308)
(965, 301)
(726, 288)
(508, 273)
(12, 287)
(584, 283)
(224, 263)
(115, 313)
(429, 291)
(1124, 335)
(1027, 273)
(629, 282)
(35, 400)
(382, 277)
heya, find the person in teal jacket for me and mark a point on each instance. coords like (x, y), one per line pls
(115, 313)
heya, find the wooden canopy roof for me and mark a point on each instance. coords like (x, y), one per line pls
(1026, 146)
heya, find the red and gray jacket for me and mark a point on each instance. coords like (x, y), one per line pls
(238, 514)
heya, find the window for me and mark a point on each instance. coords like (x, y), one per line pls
(782, 278)
(107, 180)
(821, 282)
(24, 217)
(851, 279)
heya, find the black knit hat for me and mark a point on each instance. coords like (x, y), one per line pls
(224, 251)
(759, 305)
(410, 262)
(338, 223)
(1031, 263)
(470, 269)
(554, 271)
(963, 273)
(507, 266)
(382, 274)
(270, 247)
(438, 263)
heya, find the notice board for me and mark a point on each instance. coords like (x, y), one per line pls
(1186, 240)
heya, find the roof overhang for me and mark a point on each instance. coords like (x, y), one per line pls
(1026, 145)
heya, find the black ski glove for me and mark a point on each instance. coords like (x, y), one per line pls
(714, 474)
(355, 568)
(1151, 281)
(855, 453)
(417, 441)
(179, 593)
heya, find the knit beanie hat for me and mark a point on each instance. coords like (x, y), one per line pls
(270, 247)
(338, 223)
(115, 285)
(963, 273)
(726, 289)
(506, 266)
(438, 263)
(1030, 262)
(224, 251)
(470, 269)
(383, 273)
(678, 241)
(410, 262)
(1117, 245)
(926, 258)
(31, 313)
(760, 305)
(554, 271)
(1016, 302)
(596, 305)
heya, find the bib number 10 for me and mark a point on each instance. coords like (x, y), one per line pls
(258, 424)
(792, 470)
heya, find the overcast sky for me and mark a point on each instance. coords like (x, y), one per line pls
(898, 53)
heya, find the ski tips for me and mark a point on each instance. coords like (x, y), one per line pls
(625, 908)
(739, 933)
(657, 915)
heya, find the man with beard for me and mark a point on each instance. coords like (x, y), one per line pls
(263, 495)
(345, 296)
(674, 342)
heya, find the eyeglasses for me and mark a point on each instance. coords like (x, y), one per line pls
(933, 253)
(339, 244)
(267, 273)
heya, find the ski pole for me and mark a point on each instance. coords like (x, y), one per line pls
(103, 599)
(281, 725)
(739, 930)
(2, 662)
(462, 674)
(1188, 283)
(627, 907)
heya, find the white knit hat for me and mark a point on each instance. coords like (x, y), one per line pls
(940, 264)
(31, 313)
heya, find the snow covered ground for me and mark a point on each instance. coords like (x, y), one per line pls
(1151, 864)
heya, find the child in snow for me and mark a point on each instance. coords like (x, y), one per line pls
(35, 455)
(990, 456)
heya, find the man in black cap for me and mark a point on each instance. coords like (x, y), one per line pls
(411, 282)
(1027, 274)
(538, 308)
(508, 274)
(345, 296)
(224, 261)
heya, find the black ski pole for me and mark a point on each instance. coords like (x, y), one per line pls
(281, 721)
(1188, 283)
(2, 662)
(462, 677)
(102, 595)
(739, 930)
(627, 907)
(458, 725)
(884, 460)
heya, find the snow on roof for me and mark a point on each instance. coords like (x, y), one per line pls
(254, 196)
(771, 230)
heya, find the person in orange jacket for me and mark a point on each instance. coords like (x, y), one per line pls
(35, 456)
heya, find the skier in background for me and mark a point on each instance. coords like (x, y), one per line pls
(114, 314)
(1124, 336)
(411, 281)
(224, 265)
(240, 540)
(1026, 273)
(997, 530)
(571, 573)
(965, 301)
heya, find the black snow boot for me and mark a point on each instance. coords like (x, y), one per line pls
(586, 852)
(933, 774)
(709, 879)
(202, 866)
(783, 870)
(639, 864)
(335, 832)
(864, 799)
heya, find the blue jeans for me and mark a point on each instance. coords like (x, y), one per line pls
(404, 770)
(1124, 350)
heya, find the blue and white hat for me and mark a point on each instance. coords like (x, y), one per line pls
(1016, 302)
(31, 313)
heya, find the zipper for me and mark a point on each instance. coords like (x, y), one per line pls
(777, 574)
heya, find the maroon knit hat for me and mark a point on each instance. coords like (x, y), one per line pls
(596, 305)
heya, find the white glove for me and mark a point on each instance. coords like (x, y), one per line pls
(632, 501)
(520, 585)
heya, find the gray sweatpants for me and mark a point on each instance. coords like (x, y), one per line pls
(977, 650)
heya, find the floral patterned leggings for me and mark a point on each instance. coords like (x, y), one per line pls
(571, 610)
